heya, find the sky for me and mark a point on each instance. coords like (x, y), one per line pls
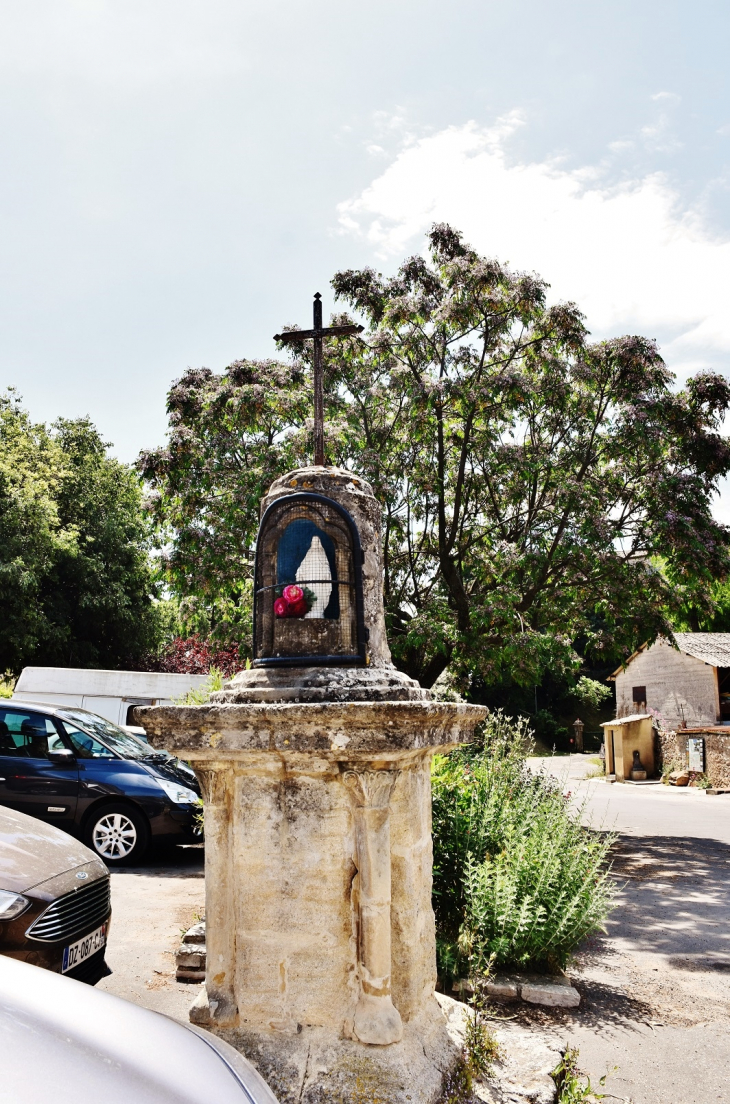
(178, 178)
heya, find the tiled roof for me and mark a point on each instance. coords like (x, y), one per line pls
(713, 648)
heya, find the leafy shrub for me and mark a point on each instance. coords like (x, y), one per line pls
(194, 655)
(590, 693)
(517, 879)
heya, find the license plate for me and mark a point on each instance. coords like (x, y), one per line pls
(82, 949)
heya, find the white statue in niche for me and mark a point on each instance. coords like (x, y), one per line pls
(315, 566)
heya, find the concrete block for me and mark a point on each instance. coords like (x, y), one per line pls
(182, 974)
(196, 934)
(192, 957)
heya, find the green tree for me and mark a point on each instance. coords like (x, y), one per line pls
(76, 578)
(529, 477)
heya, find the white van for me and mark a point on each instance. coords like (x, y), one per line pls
(111, 694)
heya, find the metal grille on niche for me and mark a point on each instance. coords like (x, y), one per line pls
(308, 598)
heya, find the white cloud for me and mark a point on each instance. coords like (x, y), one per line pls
(633, 260)
(629, 255)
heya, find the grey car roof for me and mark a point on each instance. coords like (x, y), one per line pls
(41, 706)
(68, 1043)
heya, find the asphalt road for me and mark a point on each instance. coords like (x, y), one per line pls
(656, 987)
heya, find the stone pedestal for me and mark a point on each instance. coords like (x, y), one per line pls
(321, 961)
(321, 947)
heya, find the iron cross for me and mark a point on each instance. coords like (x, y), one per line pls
(318, 333)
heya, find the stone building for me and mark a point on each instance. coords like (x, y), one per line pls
(688, 685)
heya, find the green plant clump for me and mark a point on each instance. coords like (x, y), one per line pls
(518, 881)
(200, 696)
(571, 1088)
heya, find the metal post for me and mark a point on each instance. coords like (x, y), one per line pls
(318, 384)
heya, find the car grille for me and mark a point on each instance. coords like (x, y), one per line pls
(71, 915)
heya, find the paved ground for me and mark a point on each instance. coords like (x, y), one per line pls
(151, 905)
(656, 988)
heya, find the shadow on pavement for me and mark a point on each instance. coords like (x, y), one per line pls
(166, 861)
(673, 899)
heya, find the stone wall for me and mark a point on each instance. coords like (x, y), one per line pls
(679, 686)
(672, 748)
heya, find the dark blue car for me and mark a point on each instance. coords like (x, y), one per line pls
(74, 769)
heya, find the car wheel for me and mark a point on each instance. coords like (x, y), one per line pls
(117, 833)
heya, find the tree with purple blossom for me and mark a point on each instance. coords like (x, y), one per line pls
(541, 492)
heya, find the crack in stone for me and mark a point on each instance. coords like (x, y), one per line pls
(304, 1078)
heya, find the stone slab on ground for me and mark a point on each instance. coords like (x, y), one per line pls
(552, 991)
(527, 1057)
(551, 995)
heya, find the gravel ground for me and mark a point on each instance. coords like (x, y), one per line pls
(151, 905)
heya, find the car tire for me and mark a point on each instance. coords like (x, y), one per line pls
(117, 833)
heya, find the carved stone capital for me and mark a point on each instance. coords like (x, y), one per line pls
(370, 789)
(215, 780)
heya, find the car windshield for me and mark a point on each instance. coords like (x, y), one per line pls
(115, 738)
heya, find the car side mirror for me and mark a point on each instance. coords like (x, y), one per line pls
(62, 757)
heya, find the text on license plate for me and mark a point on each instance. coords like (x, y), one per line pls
(82, 949)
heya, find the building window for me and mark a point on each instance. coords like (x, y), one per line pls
(308, 605)
(639, 697)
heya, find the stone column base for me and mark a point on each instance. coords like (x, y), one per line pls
(310, 1067)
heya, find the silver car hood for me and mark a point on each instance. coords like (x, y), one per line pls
(66, 1043)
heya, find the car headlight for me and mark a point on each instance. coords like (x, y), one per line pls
(12, 904)
(180, 795)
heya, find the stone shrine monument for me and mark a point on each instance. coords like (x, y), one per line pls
(315, 771)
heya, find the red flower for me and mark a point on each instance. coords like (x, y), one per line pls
(298, 609)
(281, 607)
(292, 593)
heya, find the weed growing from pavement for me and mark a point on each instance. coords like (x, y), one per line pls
(456, 1087)
(571, 1087)
(481, 1049)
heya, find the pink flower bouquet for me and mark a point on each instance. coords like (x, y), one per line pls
(293, 601)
